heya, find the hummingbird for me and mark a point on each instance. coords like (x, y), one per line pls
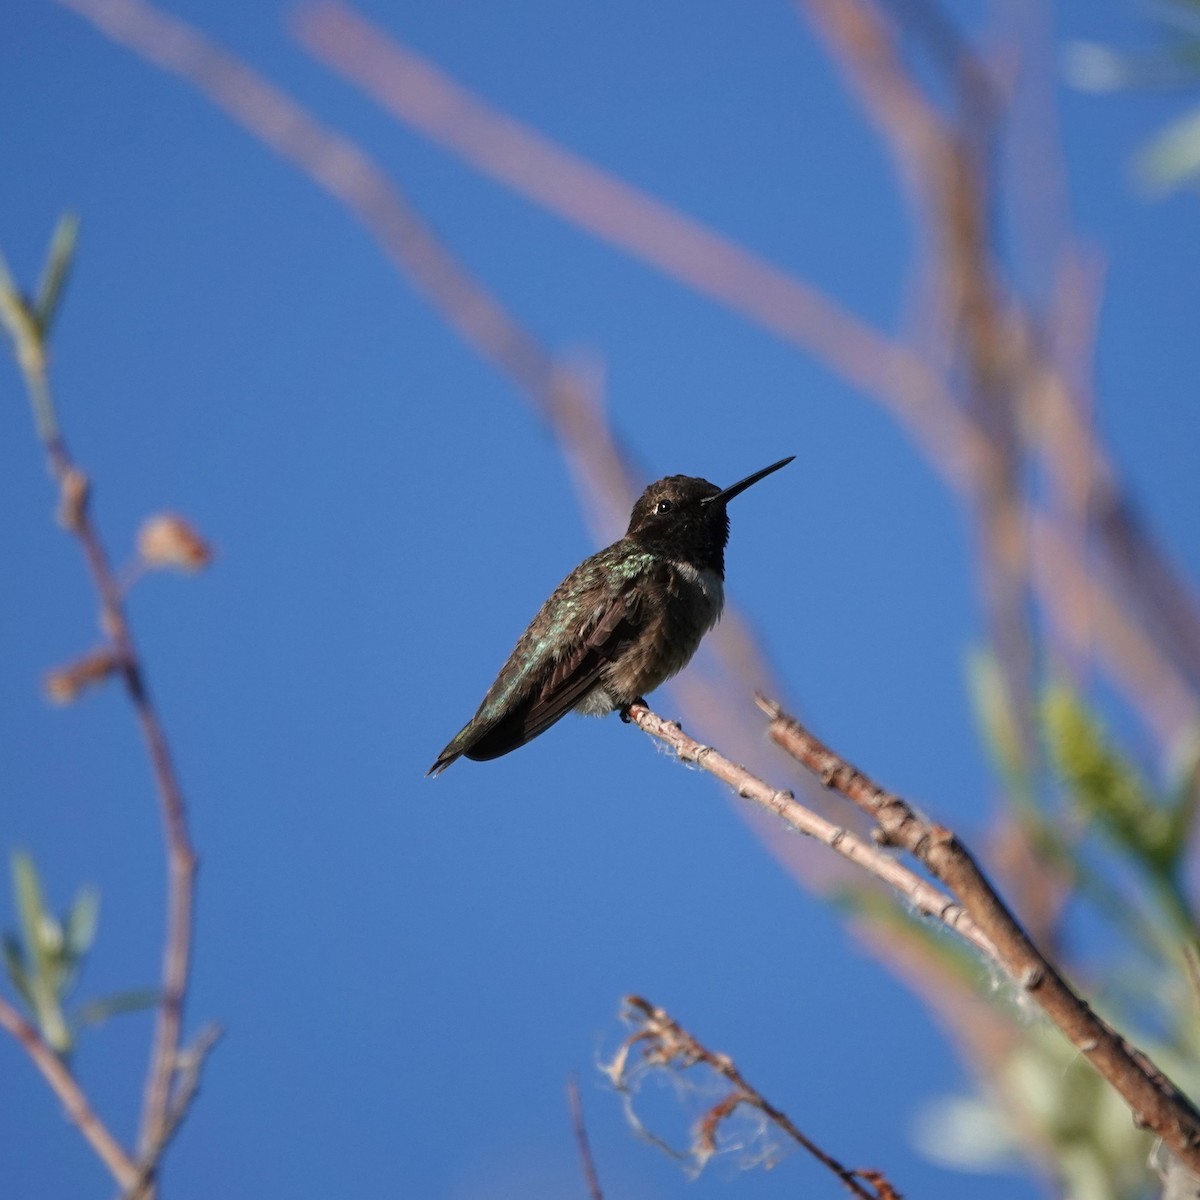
(623, 622)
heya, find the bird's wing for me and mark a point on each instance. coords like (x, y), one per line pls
(566, 681)
(575, 674)
(572, 676)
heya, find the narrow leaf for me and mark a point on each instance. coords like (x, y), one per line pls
(14, 962)
(57, 270)
(1174, 155)
(79, 931)
(996, 719)
(1104, 785)
(31, 908)
(16, 315)
(1184, 805)
(96, 1012)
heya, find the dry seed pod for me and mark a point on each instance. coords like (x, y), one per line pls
(64, 684)
(166, 540)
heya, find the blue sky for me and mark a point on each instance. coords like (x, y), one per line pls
(408, 969)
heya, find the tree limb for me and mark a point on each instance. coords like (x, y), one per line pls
(1156, 1103)
(923, 896)
(74, 1100)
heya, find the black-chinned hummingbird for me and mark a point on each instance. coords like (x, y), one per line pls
(624, 621)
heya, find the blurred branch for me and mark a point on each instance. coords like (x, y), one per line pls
(916, 891)
(943, 161)
(952, 53)
(1080, 609)
(565, 398)
(664, 1042)
(66, 1087)
(1135, 613)
(415, 91)
(27, 325)
(1156, 1103)
(1016, 385)
(581, 1140)
(973, 449)
(568, 400)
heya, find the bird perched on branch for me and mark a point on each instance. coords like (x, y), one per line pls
(624, 621)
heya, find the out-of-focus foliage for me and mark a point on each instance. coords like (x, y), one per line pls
(1048, 1095)
(1172, 157)
(45, 958)
(1109, 792)
(1116, 848)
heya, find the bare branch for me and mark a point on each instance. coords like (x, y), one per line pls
(75, 514)
(662, 1041)
(1157, 1104)
(581, 1140)
(1016, 388)
(923, 896)
(190, 1065)
(940, 168)
(569, 400)
(74, 1100)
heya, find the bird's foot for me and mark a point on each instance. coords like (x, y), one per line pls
(626, 707)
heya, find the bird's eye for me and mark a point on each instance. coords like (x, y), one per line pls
(664, 506)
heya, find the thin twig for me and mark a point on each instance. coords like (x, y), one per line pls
(26, 329)
(190, 1065)
(74, 1100)
(567, 398)
(581, 1140)
(664, 1042)
(1156, 1103)
(923, 896)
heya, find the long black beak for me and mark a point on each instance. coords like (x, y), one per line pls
(739, 487)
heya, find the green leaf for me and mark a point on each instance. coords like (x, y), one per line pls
(1174, 155)
(996, 718)
(1184, 804)
(36, 923)
(57, 270)
(1105, 786)
(965, 1133)
(15, 313)
(14, 963)
(46, 970)
(79, 930)
(96, 1012)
